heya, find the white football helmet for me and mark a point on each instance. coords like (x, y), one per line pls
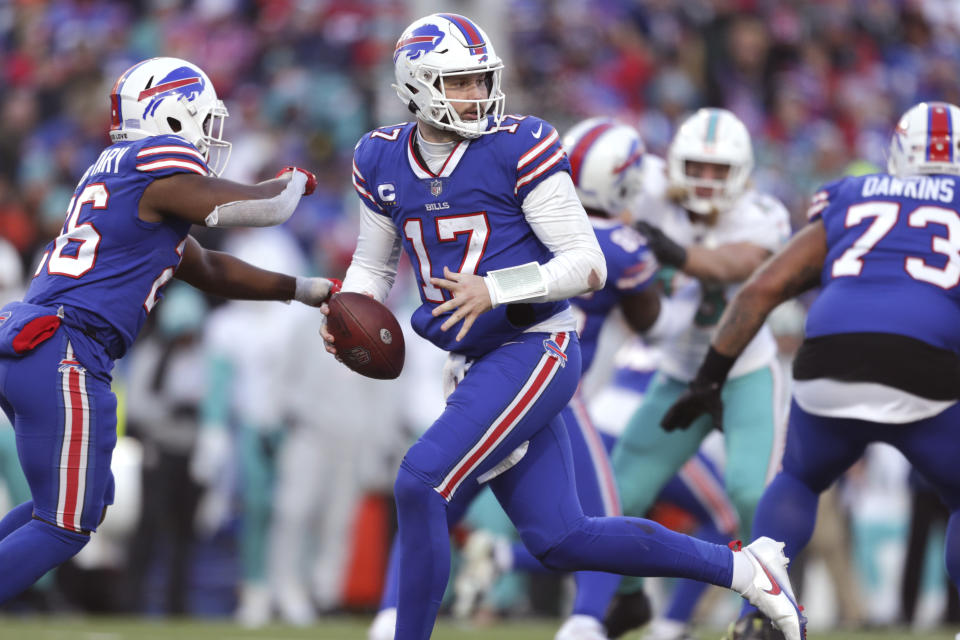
(605, 161)
(716, 136)
(925, 140)
(439, 46)
(170, 96)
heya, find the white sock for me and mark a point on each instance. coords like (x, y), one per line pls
(743, 572)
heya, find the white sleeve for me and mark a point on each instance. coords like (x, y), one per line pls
(554, 212)
(374, 265)
(260, 213)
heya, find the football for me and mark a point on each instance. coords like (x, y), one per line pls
(366, 335)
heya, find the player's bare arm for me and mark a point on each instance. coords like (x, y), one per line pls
(729, 263)
(793, 270)
(224, 275)
(725, 264)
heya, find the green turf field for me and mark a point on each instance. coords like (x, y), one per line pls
(337, 629)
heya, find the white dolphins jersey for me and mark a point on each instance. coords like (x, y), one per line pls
(755, 218)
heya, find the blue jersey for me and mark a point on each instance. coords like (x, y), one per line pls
(467, 217)
(893, 259)
(630, 269)
(108, 267)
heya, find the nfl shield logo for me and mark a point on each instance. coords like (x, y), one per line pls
(435, 188)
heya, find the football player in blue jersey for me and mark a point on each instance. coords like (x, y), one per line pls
(606, 167)
(125, 236)
(484, 206)
(880, 359)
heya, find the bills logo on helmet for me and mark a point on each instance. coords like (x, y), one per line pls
(420, 41)
(182, 81)
(634, 156)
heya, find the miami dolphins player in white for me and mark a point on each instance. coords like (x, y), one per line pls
(717, 230)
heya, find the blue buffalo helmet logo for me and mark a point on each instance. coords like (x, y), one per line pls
(420, 41)
(182, 81)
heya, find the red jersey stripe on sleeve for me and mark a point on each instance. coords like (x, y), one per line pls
(538, 149)
(541, 168)
(819, 202)
(365, 195)
(173, 163)
(170, 149)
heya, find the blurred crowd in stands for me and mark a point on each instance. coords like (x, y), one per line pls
(818, 83)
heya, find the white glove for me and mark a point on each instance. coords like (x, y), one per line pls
(454, 370)
(315, 291)
(211, 454)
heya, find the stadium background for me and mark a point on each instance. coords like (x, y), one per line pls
(819, 84)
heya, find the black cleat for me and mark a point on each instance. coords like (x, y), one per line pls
(627, 611)
(753, 626)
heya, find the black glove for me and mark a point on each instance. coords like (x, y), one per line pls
(702, 396)
(699, 398)
(667, 251)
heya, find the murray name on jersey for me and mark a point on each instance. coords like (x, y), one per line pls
(468, 216)
(105, 254)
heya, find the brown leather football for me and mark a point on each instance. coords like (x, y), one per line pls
(366, 335)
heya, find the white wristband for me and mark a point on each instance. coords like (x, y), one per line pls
(523, 283)
(311, 291)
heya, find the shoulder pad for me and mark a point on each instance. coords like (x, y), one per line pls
(533, 146)
(166, 154)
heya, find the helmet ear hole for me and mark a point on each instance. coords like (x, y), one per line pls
(174, 125)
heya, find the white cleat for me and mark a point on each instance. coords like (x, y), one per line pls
(384, 625)
(254, 609)
(580, 627)
(478, 571)
(294, 606)
(770, 590)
